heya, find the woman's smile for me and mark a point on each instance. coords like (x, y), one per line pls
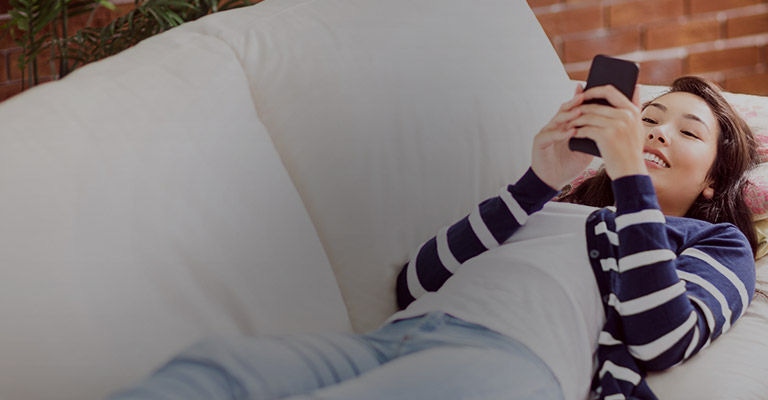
(654, 161)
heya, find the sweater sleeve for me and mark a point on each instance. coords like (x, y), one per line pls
(491, 223)
(672, 302)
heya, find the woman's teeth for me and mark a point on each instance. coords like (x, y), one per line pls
(655, 159)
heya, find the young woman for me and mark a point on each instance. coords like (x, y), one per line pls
(578, 299)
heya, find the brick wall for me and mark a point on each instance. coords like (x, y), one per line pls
(724, 40)
(10, 75)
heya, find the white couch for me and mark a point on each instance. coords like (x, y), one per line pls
(260, 171)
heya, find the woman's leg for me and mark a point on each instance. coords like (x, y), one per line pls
(431, 357)
(450, 373)
(448, 359)
(257, 368)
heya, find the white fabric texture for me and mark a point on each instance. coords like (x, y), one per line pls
(395, 117)
(733, 367)
(533, 289)
(144, 207)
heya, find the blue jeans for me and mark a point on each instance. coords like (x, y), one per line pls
(434, 356)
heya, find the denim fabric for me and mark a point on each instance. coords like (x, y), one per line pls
(434, 356)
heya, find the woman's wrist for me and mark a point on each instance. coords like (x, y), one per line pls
(545, 179)
(617, 173)
(626, 165)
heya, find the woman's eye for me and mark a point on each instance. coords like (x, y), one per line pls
(649, 121)
(688, 133)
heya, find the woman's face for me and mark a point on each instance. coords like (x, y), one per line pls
(681, 145)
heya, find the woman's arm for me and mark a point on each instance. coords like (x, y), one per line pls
(672, 305)
(493, 222)
(553, 165)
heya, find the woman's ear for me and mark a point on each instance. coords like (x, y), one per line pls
(708, 192)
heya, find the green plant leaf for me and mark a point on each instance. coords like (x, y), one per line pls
(108, 4)
(232, 4)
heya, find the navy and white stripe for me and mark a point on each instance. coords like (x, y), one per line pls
(490, 224)
(670, 285)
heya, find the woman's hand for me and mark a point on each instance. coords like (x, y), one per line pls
(618, 130)
(552, 161)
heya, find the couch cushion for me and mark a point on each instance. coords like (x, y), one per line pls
(394, 117)
(733, 367)
(143, 207)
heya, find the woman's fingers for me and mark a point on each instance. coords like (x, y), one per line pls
(624, 112)
(552, 160)
(617, 123)
(565, 117)
(579, 89)
(611, 95)
(636, 96)
(560, 126)
(616, 129)
(575, 101)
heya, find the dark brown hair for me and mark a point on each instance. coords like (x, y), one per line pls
(736, 154)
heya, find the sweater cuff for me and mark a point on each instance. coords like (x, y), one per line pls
(531, 192)
(634, 193)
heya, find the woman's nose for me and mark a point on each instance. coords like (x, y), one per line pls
(658, 135)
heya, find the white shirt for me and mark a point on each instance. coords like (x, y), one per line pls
(538, 288)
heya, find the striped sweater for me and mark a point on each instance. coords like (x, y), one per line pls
(669, 285)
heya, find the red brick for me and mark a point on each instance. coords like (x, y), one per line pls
(6, 40)
(13, 64)
(3, 67)
(9, 89)
(577, 72)
(747, 25)
(583, 1)
(541, 3)
(101, 17)
(660, 72)
(44, 66)
(703, 6)
(126, 6)
(662, 36)
(644, 11)
(570, 20)
(721, 60)
(764, 54)
(615, 41)
(557, 44)
(4, 7)
(717, 78)
(77, 22)
(752, 84)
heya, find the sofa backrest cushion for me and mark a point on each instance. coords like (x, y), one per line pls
(394, 117)
(143, 207)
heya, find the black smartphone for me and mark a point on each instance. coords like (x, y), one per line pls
(606, 70)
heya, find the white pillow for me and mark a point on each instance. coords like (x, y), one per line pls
(394, 117)
(143, 207)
